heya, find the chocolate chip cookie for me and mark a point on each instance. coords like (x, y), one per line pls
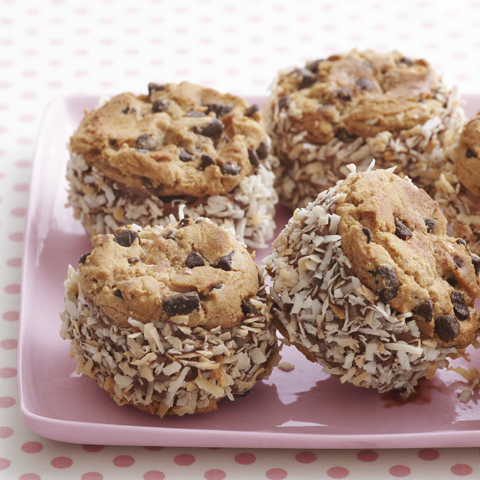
(457, 190)
(354, 107)
(170, 319)
(137, 158)
(367, 283)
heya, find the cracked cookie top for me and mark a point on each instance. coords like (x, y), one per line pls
(192, 272)
(360, 94)
(395, 239)
(467, 156)
(177, 140)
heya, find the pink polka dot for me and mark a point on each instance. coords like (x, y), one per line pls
(276, 474)
(154, 475)
(11, 316)
(19, 212)
(54, 84)
(23, 164)
(245, 458)
(7, 402)
(14, 262)
(400, 471)
(29, 476)
(305, 457)
(5, 432)
(12, 288)
(123, 461)
(4, 463)
(16, 237)
(25, 141)
(367, 456)
(428, 454)
(21, 187)
(184, 459)
(26, 118)
(215, 475)
(461, 470)
(32, 447)
(61, 462)
(153, 449)
(337, 472)
(92, 476)
(9, 344)
(8, 372)
(93, 448)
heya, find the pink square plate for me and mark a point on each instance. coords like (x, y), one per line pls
(304, 408)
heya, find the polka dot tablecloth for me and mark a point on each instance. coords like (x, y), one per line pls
(65, 47)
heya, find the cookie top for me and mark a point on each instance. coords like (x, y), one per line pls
(395, 239)
(360, 94)
(467, 156)
(178, 140)
(192, 273)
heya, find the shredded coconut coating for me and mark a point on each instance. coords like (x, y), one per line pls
(460, 207)
(322, 308)
(103, 205)
(165, 368)
(306, 168)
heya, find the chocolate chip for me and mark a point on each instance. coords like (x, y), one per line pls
(124, 110)
(251, 110)
(184, 156)
(225, 262)
(198, 220)
(345, 136)
(387, 282)
(406, 61)
(146, 142)
(248, 308)
(344, 94)
(313, 66)
(262, 151)
(133, 110)
(308, 78)
(160, 105)
(368, 233)
(171, 235)
(424, 310)
(133, 260)
(148, 184)
(214, 129)
(207, 160)
(218, 109)
(470, 153)
(184, 222)
(229, 169)
(283, 102)
(218, 286)
(194, 260)
(461, 241)
(430, 224)
(447, 327)
(364, 84)
(452, 281)
(476, 264)
(195, 114)
(458, 261)
(460, 308)
(181, 304)
(118, 293)
(402, 231)
(253, 157)
(112, 142)
(83, 258)
(125, 238)
(155, 87)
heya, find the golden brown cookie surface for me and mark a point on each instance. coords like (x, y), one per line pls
(193, 273)
(178, 140)
(395, 238)
(360, 94)
(467, 158)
